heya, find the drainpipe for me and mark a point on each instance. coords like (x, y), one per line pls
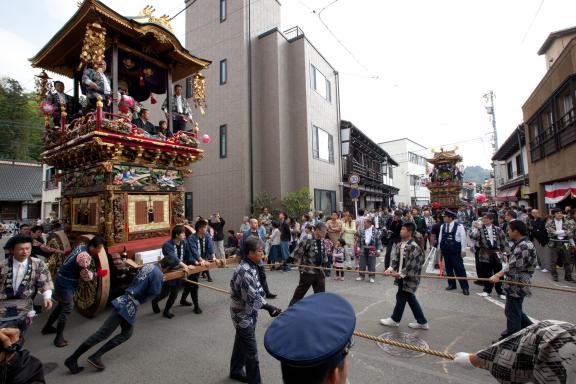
(339, 122)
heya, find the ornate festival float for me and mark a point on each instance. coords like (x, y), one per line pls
(118, 181)
(445, 180)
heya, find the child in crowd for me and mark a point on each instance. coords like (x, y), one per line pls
(339, 259)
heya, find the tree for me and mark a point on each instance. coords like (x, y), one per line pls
(263, 200)
(297, 203)
(476, 173)
(21, 123)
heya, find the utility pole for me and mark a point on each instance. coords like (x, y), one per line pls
(489, 97)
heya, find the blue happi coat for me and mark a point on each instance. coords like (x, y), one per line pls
(69, 272)
(147, 283)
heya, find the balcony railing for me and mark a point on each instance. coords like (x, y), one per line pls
(353, 166)
(560, 134)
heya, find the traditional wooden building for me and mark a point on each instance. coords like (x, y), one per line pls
(511, 170)
(550, 117)
(363, 157)
(20, 191)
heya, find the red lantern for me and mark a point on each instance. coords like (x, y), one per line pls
(206, 139)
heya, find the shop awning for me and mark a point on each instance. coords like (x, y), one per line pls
(509, 194)
(557, 192)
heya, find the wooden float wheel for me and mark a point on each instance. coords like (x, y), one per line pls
(91, 297)
(57, 240)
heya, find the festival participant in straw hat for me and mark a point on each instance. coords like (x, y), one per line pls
(312, 340)
(453, 247)
(543, 353)
(147, 283)
(520, 268)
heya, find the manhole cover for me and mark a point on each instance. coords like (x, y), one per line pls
(402, 337)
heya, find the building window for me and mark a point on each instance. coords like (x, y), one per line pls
(416, 159)
(509, 170)
(519, 166)
(324, 201)
(223, 10)
(50, 179)
(223, 142)
(223, 71)
(189, 87)
(320, 83)
(322, 145)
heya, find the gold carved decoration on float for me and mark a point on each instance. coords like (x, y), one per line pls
(93, 46)
(163, 21)
(199, 92)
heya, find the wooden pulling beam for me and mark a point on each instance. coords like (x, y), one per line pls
(361, 334)
(560, 289)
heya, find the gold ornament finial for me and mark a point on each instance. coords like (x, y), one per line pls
(163, 21)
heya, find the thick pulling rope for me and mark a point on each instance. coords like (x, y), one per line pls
(398, 344)
(364, 335)
(560, 289)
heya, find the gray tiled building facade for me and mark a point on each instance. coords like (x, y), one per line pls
(273, 115)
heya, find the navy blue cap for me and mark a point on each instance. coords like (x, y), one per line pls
(450, 213)
(311, 332)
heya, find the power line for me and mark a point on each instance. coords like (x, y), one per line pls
(323, 9)
(533, 20)
(185, 8)
(372, 76)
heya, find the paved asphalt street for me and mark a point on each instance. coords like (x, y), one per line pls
(194, 348)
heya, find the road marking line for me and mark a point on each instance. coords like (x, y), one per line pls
(562, 286)
(502, 305)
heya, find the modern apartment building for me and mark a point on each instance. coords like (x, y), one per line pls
(273, 111)
(550, 124)
(412, 171)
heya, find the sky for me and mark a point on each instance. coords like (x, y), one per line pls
(411, 68)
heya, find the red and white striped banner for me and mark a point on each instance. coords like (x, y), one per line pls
(557, 192)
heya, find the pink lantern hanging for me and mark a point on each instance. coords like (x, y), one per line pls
(206, 139)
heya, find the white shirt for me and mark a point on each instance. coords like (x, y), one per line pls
(107, 89)
(19, 271)
(460, 233)
(62, 97)
(559, 230)
(179, 107)
(490, 234)
(368, 234)
(401, 258)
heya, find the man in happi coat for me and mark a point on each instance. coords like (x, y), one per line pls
(493, 245)
(21, 276)
(406, 267)
(543, 353)
(147, 283)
